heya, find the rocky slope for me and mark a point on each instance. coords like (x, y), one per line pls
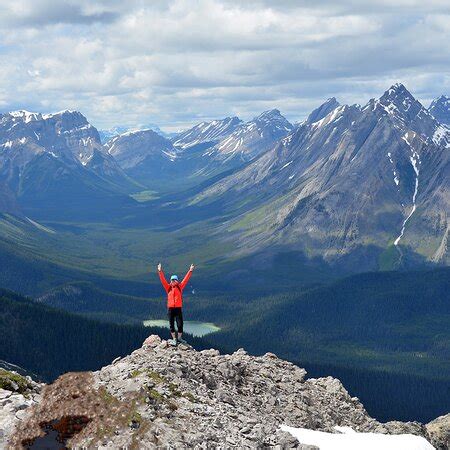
(144, 155)
(207, 132)
(254, 137)
(323, 110)
(160, 395)
(17, 394)
(229, 143)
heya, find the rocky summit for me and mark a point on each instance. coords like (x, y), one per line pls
(160, 396)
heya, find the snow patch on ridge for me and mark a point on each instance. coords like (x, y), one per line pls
(27, 116)
(348, 439)
(396, 179)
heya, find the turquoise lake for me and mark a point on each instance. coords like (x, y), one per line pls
(190, 326)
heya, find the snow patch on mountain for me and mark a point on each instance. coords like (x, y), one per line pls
(348, 439)
(287, 164)
(213, 131)
(396, 179)
(415, 161)
(441, 136)
(26, 116)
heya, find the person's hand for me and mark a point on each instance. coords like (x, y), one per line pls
(159, 267)
(192, 267)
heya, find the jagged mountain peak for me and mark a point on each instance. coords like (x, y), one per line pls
(184, 398)
(323, 110)
(271, 118)
(254, 137)
(440, 109)
(269, 114)
(442, 99)
(398, 95)
(212, 131)
(404, 108)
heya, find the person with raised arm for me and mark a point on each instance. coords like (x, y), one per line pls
(174, 291)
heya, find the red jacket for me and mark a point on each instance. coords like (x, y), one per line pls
(174, 290)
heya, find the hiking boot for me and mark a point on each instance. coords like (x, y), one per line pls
(181, 341)
(172, 342)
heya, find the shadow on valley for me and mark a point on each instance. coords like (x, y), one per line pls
(384, 334)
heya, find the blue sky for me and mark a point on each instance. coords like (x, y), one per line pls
(179, 62)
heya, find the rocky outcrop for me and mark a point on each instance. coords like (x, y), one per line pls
(439, 431)
(17, 394)
(160, 396)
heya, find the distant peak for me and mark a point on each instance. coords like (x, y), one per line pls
(395, 90)
(442, 100)
(25, 115)
(398, 86)
(62, 113)
(144, 131)
(398, 98)
(440, 109)
(270, 113)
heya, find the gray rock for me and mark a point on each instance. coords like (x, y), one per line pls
(230, 400)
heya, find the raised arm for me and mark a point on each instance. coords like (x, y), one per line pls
(187, 277)
(163, 278)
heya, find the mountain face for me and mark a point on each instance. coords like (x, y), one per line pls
(230, 142)
(323, 110)
(348, 187)
(144, 155)
(107, 134)
(160, 396)
(253, 138)
(440, 109)
(66, 134)
(207, 132)
(399, 102)
(49, 159)
(8, 203)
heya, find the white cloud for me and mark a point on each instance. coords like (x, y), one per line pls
(177, 62)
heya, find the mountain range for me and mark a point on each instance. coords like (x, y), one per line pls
(362, 186)
(52, 160)
(358, 181)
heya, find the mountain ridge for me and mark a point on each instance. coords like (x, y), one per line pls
(323, 166)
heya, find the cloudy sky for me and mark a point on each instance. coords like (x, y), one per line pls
(175, 63)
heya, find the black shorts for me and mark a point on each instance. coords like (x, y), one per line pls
(175, 313)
